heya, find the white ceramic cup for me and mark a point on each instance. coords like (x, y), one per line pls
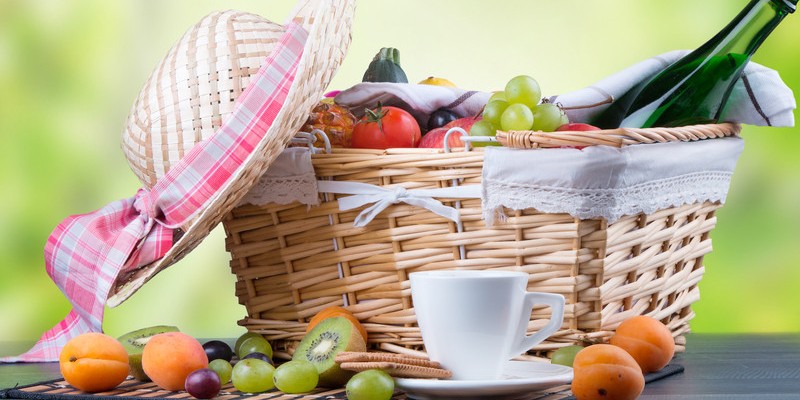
(473, 322)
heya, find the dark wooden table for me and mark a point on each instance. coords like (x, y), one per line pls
(716, 367)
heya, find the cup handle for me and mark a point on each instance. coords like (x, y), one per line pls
(556, 303)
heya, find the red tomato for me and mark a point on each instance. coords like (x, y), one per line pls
(386, 127)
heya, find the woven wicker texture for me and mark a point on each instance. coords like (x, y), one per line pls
(615, 137)
(132, 389)
(194, 88)
(135, 390)
(291, 261)
(183, 102)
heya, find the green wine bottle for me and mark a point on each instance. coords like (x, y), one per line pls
(694, 89)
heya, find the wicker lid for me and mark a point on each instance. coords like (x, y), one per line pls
(192, 91)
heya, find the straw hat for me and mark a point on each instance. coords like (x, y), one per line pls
(193, 90)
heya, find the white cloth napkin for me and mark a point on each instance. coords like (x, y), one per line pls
(291, 179)
(595, 182)
(607, 182)
(759, 97)
(419, 100)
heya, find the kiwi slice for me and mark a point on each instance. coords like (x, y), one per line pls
(321, 345)
(134, 343)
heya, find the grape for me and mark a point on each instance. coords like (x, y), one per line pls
(517, 117)
(245, 336)
(296, 376)
(253, 345)
(441, 117)
(483, 128)
(372, 384)
(260, 356)
(252, 375)
(523, 89)
(565, 355)
(222, 368)
(203, 383)
(218, 349)
(493, 110)
(548, 117)
(499, 95)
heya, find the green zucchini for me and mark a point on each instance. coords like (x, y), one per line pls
(385, 67)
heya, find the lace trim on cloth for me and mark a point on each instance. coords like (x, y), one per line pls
(606, 182)
(610, 204)
(597, 182)
(284, 190)
(290, 178)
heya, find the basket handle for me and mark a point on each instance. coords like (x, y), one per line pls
(618, 137)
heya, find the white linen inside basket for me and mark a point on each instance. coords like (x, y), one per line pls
(594, 182)
(607, 182)
(289, 178)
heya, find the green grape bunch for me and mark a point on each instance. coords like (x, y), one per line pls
(519, 107)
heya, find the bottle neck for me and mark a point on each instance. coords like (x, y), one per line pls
(789, 4)
(751, 27)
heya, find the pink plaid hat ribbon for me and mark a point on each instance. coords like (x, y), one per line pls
(86, 252)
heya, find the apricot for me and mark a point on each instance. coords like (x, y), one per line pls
(168, 358)
(604, 371)
(325, 313)
(648, 340)
(94, 362)
(336, 311)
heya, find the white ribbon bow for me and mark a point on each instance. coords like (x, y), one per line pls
(364, 193)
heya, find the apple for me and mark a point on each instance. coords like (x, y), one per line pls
(435, 137)
(577, 126)
(463, 123)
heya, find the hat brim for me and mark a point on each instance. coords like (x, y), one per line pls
(329, 24)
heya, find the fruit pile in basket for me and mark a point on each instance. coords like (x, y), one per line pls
(519, 107)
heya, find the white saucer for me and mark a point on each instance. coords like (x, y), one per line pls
(519, 378)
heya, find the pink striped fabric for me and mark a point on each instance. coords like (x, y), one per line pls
(86, 252)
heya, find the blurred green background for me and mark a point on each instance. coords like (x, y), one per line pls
(70, 70)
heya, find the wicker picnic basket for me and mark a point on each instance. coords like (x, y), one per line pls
(293, 260)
